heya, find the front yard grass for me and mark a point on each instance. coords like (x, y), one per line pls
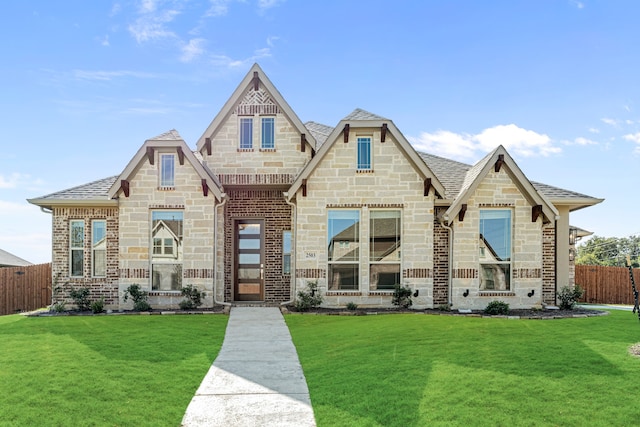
(103, 370)
(418, 370)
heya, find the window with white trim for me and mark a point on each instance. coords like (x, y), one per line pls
(166, 250)
(98, 248)
(268, 133)
(167, 170)
(246, 133)
(76, 248)
(495, 249)
(343, 244)
(384, 249)
(364, 153)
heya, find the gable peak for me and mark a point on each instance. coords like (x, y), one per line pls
(171, 135)
(360, 114)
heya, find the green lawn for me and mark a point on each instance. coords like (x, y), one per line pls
(419, 370)
(103, 370)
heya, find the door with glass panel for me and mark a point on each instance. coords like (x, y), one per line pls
(249, 260)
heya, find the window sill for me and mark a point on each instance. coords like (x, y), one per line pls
(166, 188)
(364, 171)
(343, 293)
(164, 293)
(497, 294)
(268, 150)
(384, 293)
(245, 150)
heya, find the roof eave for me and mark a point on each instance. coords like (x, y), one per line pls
(576, 203)
(50, 203)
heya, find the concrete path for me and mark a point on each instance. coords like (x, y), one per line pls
(256, 380)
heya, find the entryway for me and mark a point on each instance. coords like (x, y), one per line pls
(249, 260)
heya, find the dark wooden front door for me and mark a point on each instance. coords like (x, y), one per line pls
(249, 260)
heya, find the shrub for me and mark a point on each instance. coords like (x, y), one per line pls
(310, 298)
(569, 296)
(81, 298)
(193, 298)
(497, 308)
(98, 306)
(402, 296)
(444, 307)
(139, 298)
(352, 306)
(58, 307)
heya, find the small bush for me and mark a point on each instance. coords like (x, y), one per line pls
(497, 308)
(568, 297)
(81, 298)
(352, 306)
(58, 307)
(193, 298)
(308, 299)
(139, 298)
(402, 296)
(444, 307)
(98, 306)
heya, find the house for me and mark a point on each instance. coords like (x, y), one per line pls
(266, 204)
(9, 260)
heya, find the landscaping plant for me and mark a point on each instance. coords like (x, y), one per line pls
(193, 298)
(139, 298)
(310, 298)
(569, 296)
(402, 296)
(81, 298)
(497, 308)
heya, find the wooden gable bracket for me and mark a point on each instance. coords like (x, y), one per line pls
(180, 156)
(304, 187)
(383, 132)
(303, 142)
(463, 210)
(499, 162)
(150, 155)
(125, 187)
(346, 132)
(205, 188)
(536, 211)
(207, 145)
(256, 81)
(427, 186)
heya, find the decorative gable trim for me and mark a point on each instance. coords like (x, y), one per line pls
(150, 155)
(257, 101)
(125, 187)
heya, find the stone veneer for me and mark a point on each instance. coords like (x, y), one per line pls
(392, 184)
(270, 206)
(497, 190)
(100, 287)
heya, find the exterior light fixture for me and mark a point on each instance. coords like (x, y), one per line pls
(572, 255)
(573, 235)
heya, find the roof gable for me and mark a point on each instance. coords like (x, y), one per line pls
(497, 159)
(363, 119)
(169, 139)
(250, 91)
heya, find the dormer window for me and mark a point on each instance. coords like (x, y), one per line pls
(246, 133)
(268, 133)
(167, 171)
(364, 153)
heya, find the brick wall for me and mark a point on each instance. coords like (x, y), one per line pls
(101, 287)
(270, 206)
(549, 264)
(440, 261)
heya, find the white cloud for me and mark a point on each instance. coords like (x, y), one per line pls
(151, 24)
(225, 61)
(115, 9)
(268, 4)
(610, 122)
(105, 41)
(594, 130)
(584, 141)
(14, 180)
(578, 4)
(519, 141)
(217, 8)
(192, 50)
(110, 75)
(634, 137)
(27, 231)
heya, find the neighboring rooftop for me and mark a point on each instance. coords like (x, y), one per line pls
(319, 131)
(10, 260)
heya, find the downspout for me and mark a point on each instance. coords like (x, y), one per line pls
(215, 250)
(450, 260)
(555, 263)
(294, 253)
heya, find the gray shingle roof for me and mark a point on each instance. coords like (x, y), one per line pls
(171, 135)
(10, 260)
(360, 114)
(319, 131)
(92, 191)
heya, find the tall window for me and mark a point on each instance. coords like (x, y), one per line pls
(268, 132)
(495, 249)
(166, 251)
(343, 249)
(99, 248)
(167, 170)
(364, 153)
(384, 249)
(286, 252)
(246, 132)
(76, 247)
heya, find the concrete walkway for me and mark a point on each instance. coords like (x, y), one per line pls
(256, 380)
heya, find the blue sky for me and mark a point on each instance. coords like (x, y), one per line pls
(554, 81)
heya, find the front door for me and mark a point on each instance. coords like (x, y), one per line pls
(249, 260)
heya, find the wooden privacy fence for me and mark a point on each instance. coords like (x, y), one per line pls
(606, 285)
(25, 288)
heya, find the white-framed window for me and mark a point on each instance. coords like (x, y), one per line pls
(98, 248)
(495, 239)
(167, 170)
(246, 133)
(166, 250)
(76, 248)
(385, 234)
(286, 252)
(268, 141)
(343, 243)
(364, 153)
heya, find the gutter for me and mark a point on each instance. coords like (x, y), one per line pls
(450, 260)
(215, 250)
(294, 238)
